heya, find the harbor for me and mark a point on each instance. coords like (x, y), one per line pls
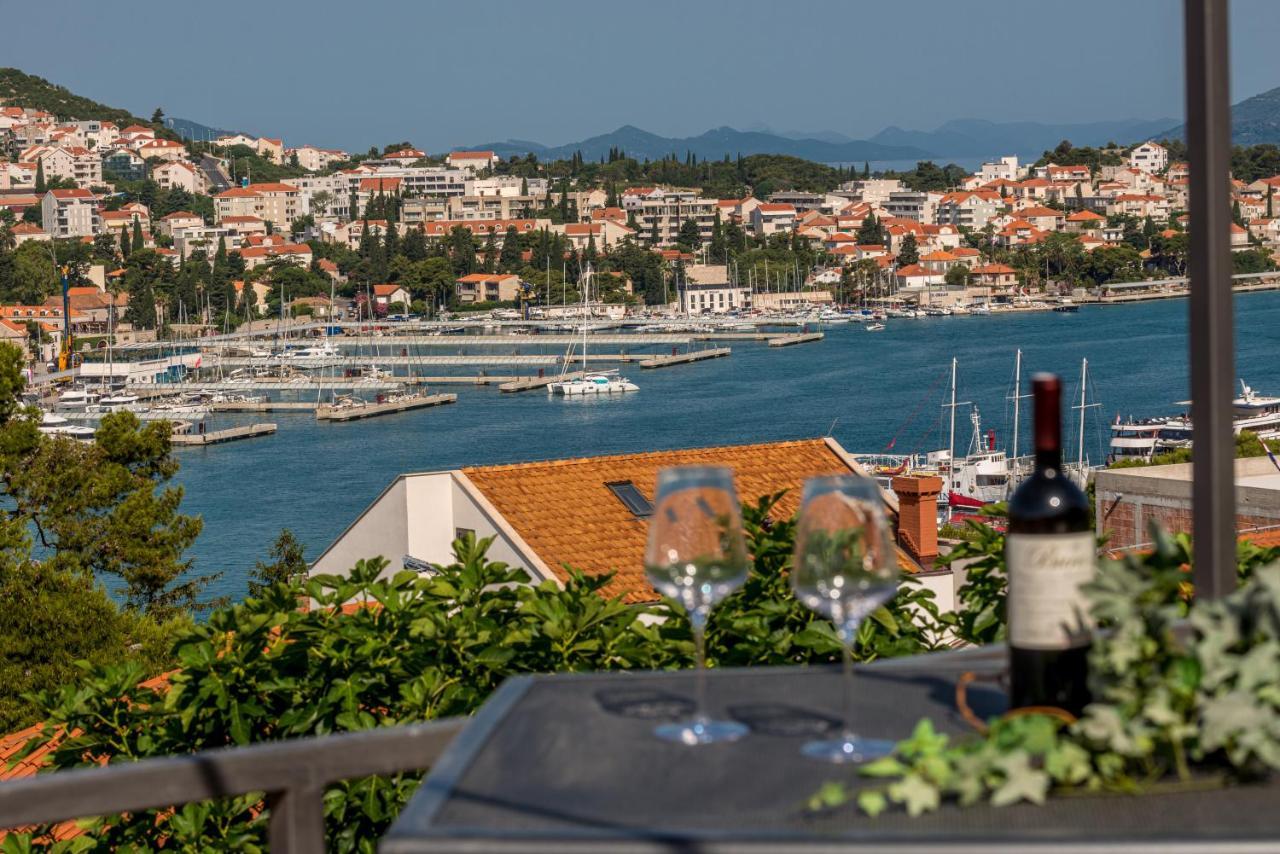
(874, 393)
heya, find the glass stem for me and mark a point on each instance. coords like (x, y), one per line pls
(698, 624)
(848, 636)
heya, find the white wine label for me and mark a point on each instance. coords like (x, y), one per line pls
(1046, 608)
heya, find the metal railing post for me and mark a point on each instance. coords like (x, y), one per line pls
(296, 823)
(1212, 344)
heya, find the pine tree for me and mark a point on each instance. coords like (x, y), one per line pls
(689, 235)
(415, 244)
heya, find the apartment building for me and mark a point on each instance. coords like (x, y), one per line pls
(1150, 157)
(179, 174)
(772, 218)
(314, 159)
(273, 202)
(659, 215)
(487, 287)
(70, 213)
(969, 209)
(919, 205)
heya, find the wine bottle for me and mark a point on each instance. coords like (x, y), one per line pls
(1049, 553)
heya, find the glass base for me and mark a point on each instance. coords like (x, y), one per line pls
(701, 731)
(849, 750)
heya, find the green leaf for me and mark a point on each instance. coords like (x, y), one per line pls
(872, 802)
(1022, 782)
(916, 793)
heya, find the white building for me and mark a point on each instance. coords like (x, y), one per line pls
(69, 213)
(706, 289)
(1150, 157)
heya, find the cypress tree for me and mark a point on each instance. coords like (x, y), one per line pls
(138, 243)
(509, 260)
(41, 186)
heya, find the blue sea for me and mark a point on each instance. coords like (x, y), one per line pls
(866, 389)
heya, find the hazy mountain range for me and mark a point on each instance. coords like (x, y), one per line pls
(962, 138)
(1254, 120)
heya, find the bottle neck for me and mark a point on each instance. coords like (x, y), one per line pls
(1048, 424)
(1048, 458)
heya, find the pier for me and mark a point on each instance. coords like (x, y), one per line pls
(801, 338)
(217, 437)
(264, 406)
(531, 383)
(684, 358)
(329, 412)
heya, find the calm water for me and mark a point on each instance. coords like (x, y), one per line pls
(864, 388)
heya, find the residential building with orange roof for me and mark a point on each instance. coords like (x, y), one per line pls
(294, 253)
(472, 161)
(275, 202)
(24, 231)
(591, 513)
(771, 218)
(969, 208)
(1043, 218)
(70, 213)
(487, 287)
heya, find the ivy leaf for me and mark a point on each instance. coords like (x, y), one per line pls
(829, 796)
(1068, 763)
(886, 766)
(872, 802)
(1227, 716)
(916, 793)
(924, 741)
(1022, 782)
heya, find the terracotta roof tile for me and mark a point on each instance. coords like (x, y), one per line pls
(567, 515)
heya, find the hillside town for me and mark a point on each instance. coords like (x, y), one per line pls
(158, 232)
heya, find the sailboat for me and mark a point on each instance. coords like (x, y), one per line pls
(605, 382)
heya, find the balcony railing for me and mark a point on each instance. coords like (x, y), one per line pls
(292, 775)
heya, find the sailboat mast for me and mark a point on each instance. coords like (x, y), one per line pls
(951, 445)
(1084, 379)
(1017, 401)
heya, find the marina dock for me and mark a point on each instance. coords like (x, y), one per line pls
(329, 412)
(684, 358)
(217, 437)
(531, 383)
(264, 406)
(789, 340)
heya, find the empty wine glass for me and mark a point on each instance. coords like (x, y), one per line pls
(697, 555)
(845, 566)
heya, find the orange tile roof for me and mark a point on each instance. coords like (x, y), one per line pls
(567, 515)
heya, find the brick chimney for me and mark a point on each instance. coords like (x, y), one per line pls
(918, 516)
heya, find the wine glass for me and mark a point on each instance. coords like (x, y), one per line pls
(845, 566)
(697, 555)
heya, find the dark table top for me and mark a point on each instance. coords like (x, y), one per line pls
(569, 763)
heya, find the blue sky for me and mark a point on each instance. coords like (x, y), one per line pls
(444, 74)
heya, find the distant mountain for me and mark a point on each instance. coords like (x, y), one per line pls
(980, 138)
(712, 145)
(188, 129)
(1254, 120)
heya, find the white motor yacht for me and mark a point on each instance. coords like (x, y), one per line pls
(321, 356)
(77, 399)
(56, 425)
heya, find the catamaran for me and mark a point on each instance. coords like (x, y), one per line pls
(602, 382)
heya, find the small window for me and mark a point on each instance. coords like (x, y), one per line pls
(631, 496)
